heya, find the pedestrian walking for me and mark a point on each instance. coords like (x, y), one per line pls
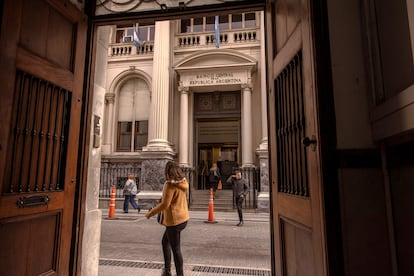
(174, 210)
(214, 178)
(240, 190)
(130, 192)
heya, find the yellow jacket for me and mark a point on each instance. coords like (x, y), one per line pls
(173, 203)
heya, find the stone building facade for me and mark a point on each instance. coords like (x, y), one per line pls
(175, 92)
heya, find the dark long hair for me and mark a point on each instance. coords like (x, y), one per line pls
(173, 171)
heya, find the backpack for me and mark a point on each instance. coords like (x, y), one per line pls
(213, 177)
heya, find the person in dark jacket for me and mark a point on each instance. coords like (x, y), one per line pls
(240, 190)
(214, 178)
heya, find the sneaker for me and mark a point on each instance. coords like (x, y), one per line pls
(139, 210)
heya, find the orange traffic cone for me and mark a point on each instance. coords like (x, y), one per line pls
(112, 203)
(211, 208)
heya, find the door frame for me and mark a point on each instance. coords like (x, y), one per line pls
(323, 82)
(327, 136)
(199, 146)
(86, 115)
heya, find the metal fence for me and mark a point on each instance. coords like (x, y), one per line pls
(116, 174)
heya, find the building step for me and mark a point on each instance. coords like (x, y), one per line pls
(200, 200)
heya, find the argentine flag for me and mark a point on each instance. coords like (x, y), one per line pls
(217, 29)
(137, 40)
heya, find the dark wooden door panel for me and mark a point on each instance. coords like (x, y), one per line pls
(41, 84)
(34, 252)
(297, 249)
(298, 214)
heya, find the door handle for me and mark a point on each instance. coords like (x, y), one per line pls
(310, 142)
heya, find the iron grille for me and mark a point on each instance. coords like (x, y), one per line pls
(290, 127)
(231, 270)
(198, 268)
(38, 141)
(131, 264)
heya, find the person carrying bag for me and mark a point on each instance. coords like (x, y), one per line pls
(130, 192)
(174, 216)
(214, 178)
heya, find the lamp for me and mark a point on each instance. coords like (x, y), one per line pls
(168, 4)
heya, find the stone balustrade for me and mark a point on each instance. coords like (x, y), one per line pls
(128, 49)
(228, 38)
(199, 40)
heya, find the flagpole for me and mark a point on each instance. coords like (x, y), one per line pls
(137, 40)
(217, 30)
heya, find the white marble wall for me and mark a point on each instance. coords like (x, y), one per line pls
(92, 224)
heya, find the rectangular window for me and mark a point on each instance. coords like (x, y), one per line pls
(130, 31)
(141, 134)
(209, 23)
(124, 136)
(143, 33)
(198, 25)
(119, 36)
(151, 33)
(224, 22)
(146, 32)
(236, 21)
(124, 33)
(185, 26)
(250, 20)
(394, 36)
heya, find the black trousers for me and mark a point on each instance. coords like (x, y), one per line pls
(239, 204)
(171, 241)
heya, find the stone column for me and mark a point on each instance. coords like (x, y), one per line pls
(158, 151)
(107, 141)
(183, 146)
(158, 120)
(263, 85)
(247, 156)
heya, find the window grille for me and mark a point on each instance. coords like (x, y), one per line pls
(290, 127)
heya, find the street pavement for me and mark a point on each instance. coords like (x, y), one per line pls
(131, 245)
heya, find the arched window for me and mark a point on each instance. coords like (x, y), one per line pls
(133, 113)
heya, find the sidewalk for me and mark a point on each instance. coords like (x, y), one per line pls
(205, 246)
(248, 215)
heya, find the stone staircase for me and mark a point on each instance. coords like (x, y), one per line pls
(223, 202)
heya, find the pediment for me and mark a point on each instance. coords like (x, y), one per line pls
(216, 59)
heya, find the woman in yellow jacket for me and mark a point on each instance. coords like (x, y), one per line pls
(175, 215)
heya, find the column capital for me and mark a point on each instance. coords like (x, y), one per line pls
(183, 89)
(109, 98)
(247, 86)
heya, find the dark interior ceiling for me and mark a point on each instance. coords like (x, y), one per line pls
(173, 12)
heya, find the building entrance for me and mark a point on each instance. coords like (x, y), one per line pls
(225, 156)
(217, 134)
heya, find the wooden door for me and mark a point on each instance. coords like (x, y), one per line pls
(297, 199)
(42, 59)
